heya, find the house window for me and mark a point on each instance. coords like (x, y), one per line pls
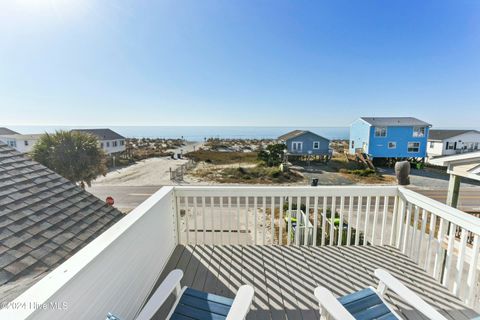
(122, 142)
(475, 146)
(380, 131)
(12, 143)
(25, 142)
(101, 145)
(297, 146)
(413, 146)
(392, 145)
(108, 144)
(419, 132)
(114, 143)
(449, 146)
(316, 144)
(432, 144)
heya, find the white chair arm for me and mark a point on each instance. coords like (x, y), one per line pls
(386, 279)
(171, 282)
(327, 302)
(241, 303)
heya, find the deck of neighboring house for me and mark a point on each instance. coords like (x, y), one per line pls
(284, 277)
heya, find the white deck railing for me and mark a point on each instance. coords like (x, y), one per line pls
(116, 272)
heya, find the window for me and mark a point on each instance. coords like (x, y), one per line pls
(122, 142)
(475, 146)
(114, 143)
(101, 145)
(380, 131)
(449, 146)
(413, 146)
(108, 144)
(316, 144)
(353, 144)
(297, 146)
(392, 145)
(432, 144)
(12, 143)
(419, 132)
(25, 142)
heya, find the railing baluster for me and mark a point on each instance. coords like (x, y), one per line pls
(221, 219)
(357, 226)
(179, 219)
(272, 218)
(472, 272)
(203, 221)
(394, 222)
(431, 235)
(448, 261)
(324, 219)
(401, 216)
(340, 226)
(315, 220)
(307, 220)
(367, 218)
(247, 227)
(238, 220)
(212, 214)
(264, 219)
(437, 267)
(407, 228)
(255, 220)
(349, 222)
(289, 231)
(187, 219)
(195, 216)
(386, 199)
(332, 221)
(460, 262)
(375, 217)
(280, 222)
(414, 230)
(229, 219)
(297, 226)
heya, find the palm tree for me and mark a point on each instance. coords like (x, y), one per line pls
(74, 155)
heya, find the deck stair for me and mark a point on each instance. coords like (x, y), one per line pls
(363, 158)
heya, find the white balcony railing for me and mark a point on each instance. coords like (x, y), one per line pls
(117, 271)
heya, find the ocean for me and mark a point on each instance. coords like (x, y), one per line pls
(196, 133)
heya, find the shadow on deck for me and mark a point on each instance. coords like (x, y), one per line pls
(284, 277)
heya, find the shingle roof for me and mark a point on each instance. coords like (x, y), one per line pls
(296, 133)
(6, 131)
(437, 134)
(102, 134)
(44, 219)
(394, 121)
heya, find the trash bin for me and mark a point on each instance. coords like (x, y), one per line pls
(314, 182)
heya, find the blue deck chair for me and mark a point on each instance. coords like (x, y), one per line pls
(193, 304)
(368, 304)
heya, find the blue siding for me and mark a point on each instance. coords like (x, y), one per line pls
(359, 134)
(307, 140)
(378, 146)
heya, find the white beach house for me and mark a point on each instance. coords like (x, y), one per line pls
(21, 142)
(449, 142)
(110, 141)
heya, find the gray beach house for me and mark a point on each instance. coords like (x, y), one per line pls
(304, 143)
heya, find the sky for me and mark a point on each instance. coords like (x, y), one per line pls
(238, 62)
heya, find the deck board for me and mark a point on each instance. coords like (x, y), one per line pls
(284, 277)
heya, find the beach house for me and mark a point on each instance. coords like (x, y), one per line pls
(389, 138)
(110, 141)
(21, 142)
(305, 143)
(450, 142)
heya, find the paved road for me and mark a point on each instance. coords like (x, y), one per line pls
(128, 197)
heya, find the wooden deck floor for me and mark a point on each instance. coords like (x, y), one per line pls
(284, 277)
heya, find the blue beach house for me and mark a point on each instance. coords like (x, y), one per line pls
(389, 137)
(305, 143)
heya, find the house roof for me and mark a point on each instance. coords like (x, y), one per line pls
(19, 136)
(394, 121)
(297, 133)
(436, 134)
(102, 134)
(6, 131)
(44, 219)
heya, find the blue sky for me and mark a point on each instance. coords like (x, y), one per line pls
(264, 63)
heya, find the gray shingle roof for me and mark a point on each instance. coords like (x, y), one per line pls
(102, 134)
(44, 219)
(296, 133)
(437, 134)
(6, 131)
(394, 121)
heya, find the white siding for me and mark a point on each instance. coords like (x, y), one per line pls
(465, 142)
(109, 146)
